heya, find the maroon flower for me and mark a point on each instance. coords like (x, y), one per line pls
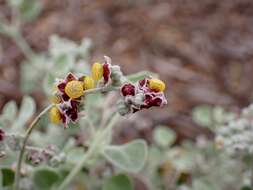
(62, 84)
(128, 89)
(139, 96)
(106, 73)
(2, 135)
(67, 106)
(69, 111)
(107, 69)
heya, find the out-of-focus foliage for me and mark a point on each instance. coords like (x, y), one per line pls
(205, 164)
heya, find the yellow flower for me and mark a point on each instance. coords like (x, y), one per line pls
(74, 89)
(55, 99)
(156, 84)
(88, 83)
(55, 115)
(97, 71)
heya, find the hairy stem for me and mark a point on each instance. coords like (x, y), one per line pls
(22, 151)
(93, 150)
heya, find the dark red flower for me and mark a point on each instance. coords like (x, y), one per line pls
(106, 73)
(133, 94)
(69, 111)
(62, 84)
(128, 89)
(2, 135)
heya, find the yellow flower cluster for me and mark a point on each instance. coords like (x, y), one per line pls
(97, 71)
(55, 115)
(157, 85)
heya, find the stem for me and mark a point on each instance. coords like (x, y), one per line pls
(100, 89)
(91, 152)
(22, 151)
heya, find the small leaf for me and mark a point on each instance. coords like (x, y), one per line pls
(1, 180)
(164, 136)
(140, 75)
(10, 110)
(118, 182)
(7, 176)
(202, 184)
(246, 188)
(63, 64)
(26, 111)
(202, 115)
(75, 155)
(45, 178)
(48, 83)
(29, 9)
(130, 157)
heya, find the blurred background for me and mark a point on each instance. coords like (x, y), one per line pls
(202, 49)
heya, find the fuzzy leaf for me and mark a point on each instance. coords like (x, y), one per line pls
(164, 136)
(117, 182)
(48, 83)
(202, 115)
(130, 157)
(75, 155)
(26, 111)
(29, 9)
(10, 110)
(7, 176)
(45, 178)
(140, 75)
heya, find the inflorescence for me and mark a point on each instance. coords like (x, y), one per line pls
(69, 93)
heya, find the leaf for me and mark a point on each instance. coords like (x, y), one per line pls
(10, 110)
(140, 75)
(29, 9)
(48, 83)
(26, 111)
(130, 157)
(7, 176)
(75, 155)
(61, 46)
(118, 182)
(63, 64)
(45, 178)
(202, 115)
(203, 185)
(1, 180)
(246, 188)
(164, 136)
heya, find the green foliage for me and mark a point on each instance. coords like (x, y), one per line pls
(203, 115)
(164, 136)
(27, 110)
(130, 157)
(75, 155)
(9, 111)
(45, 178)
(140, 75)
(7, 177)
(26, 9)
(120, 181)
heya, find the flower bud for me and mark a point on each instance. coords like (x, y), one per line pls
(157, 85)
(55, 115)
(117, 76)
(55, 99)
(123, 108)
(88, 83)
(97, 71)
(74, 89)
